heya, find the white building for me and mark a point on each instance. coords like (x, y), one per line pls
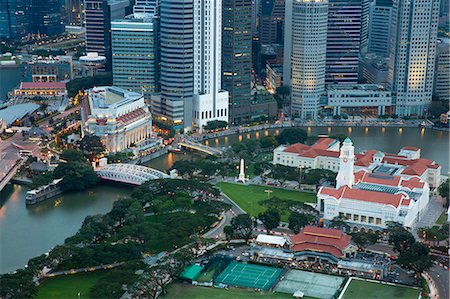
(372, 200)
(119, 117)
(305, 45)
(209, 102)
(357, 96)
(412, 54)
(325, 155)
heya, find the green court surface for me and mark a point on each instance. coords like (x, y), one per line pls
(249, 276)
(372, 290)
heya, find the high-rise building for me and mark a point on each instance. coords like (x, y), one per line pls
(134, 53)
(14, 18)
(365, 18)
(343, 41)
(442, 80)
(74, 11)
(98, 15)
(380, 27)
(236, 57)
(271, 21)
(305, 47)
(46, 17)
(412, 54)
(210, 101)
(146, 6)
(177, 61)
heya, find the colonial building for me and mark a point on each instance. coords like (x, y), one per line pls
(41, 89)
(372, 200)
(325, 155)
(119, 117)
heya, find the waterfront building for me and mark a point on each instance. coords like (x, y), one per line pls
(41, 89)
(236, 57)
(271, 21)
(174, 103)
(46, 17)
(412, 54)
(343, 41)
(98, 15)
(305, 55)
(210, 102)
(380, 27)
(48, 69)
(119, 117)
(324, 154)
(14, 18)
(357, 97)
(372, 200)
(442, 80)
(134, 42)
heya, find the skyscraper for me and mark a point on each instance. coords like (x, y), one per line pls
(74, 12)
(305, 47)
(210, 101)
(343, 41)
(236, 57)
(146, 6)
(46, 17)
(14, 18)
(177, 60)
(412, 54)
(271, 21)
(365, 18)
(380, 27)
(442, 80)
(134, 53)
(98, 15)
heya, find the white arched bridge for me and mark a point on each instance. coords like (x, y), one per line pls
(129, 173)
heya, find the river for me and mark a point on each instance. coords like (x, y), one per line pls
(26, 232)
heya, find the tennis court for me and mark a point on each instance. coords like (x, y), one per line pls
(249, 276)
(311, 284)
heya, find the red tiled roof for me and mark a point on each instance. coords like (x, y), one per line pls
(365, 159)
(363, 195)
(318, 149)
(323, 143)
(412, 183)
(42, 85)
(131, 115)
(405, 202)
(379, 179)
(320, 239)
(410, 148)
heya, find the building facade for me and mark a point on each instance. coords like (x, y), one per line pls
(46, 17)
(305, 55)
(14, 18)
(442, 80)
(343, 41)
(372, 200)
(119, 117)
(134, 53)
(174, 103)
(412, 54)
(237, 57)
(210, 102)
(358, 96)
(98, 15)
(271, 21)
(380, 27)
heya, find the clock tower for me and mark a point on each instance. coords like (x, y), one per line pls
(345, 175)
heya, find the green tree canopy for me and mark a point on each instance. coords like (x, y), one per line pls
(270, 219)
(297, 221)
(362, 240)
(416, 258)
(242, 226)
(292, 135)
(444, 191)
(399, 237)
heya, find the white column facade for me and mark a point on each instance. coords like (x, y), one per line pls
(210, 102)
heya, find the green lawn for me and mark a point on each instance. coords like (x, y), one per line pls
(249, 196)
(185, 291)
(372, 290)
(68, 286)
(442, 219)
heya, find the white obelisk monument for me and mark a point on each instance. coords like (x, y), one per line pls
(241, 177)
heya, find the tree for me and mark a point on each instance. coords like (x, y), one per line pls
(215, 124)
(92, 146)
(268, 142)
(71, 155)
(74, 86)
(399, 237)
(444, 191)
(362, 240)
(291, 136)
(229, 232)
(297, 221)
(242, 226)
(18, 285)
(76, 175)
(318, 176)
(339, 223)
(270, 219)
(283, 92)
(416, 258)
